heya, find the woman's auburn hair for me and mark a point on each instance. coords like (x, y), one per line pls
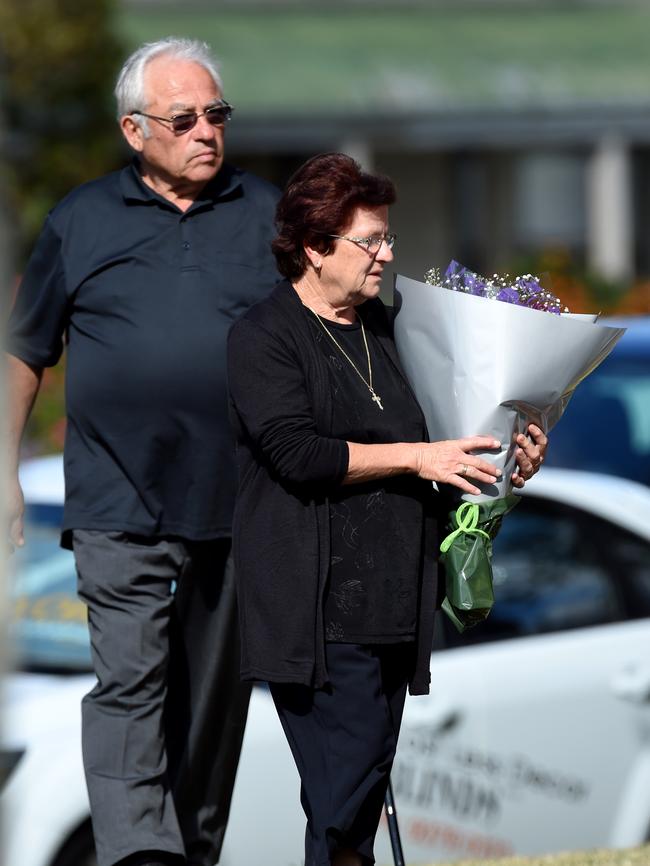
(319, 200)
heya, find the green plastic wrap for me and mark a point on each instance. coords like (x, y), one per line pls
(466, 554)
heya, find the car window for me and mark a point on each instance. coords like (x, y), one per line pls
(557, 568)
(606, 426)
(629, 559)
(48, 629)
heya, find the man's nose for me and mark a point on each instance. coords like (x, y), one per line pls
(203, 127)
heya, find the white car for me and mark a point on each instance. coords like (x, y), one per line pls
(535, 737)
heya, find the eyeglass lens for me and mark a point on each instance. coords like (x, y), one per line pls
(216, 116)
(374, 244)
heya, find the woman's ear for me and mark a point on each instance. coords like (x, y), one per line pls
(315, 257)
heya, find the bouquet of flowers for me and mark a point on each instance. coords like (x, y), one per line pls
(488, 356)
(525, 291)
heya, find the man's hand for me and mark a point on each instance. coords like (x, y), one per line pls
(15, 512)
(23, 382)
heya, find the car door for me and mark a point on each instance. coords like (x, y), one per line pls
(536, 734)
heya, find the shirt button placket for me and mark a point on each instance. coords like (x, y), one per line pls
(188, 260)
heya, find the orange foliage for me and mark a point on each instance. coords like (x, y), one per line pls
(582, 292)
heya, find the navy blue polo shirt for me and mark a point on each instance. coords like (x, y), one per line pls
(146, 295)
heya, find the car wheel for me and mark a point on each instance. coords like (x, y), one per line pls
(79, 849)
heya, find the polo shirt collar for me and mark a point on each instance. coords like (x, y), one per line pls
(226, 182)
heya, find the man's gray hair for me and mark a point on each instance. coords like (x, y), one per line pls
(129, 90)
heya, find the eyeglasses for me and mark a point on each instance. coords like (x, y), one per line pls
(181, 123)
(372, 244)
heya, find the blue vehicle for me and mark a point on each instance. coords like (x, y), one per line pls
(606, 426)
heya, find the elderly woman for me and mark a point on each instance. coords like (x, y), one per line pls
(334, 534)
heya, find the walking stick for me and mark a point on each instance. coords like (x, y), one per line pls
(393, 828)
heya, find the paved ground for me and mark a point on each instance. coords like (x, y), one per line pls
(627, 857)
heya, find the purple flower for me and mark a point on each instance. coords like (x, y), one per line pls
(525, 291)
(510, 295)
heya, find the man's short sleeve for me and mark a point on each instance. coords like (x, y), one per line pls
(39, 315)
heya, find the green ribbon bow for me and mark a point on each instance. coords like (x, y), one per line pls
(467, 516)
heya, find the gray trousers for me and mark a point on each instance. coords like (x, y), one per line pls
(162, 729)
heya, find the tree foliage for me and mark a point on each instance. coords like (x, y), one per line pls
(58, 62)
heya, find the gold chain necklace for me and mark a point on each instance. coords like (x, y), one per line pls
(367, 382)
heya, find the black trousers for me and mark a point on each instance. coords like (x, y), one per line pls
(163, 727)
(343, 739)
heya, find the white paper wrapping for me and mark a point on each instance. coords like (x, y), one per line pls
(482, 366)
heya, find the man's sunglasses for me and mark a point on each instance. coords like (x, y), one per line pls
(180, 123)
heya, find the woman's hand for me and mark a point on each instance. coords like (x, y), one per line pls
(529, 454)
(450, 462)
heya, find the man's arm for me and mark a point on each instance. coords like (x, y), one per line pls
(23, 382)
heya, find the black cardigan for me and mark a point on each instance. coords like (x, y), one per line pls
(281, 411)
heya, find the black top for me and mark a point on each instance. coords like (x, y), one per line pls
(146, 294)
(290, 465)
(376, 527)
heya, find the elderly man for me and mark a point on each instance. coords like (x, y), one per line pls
(143, 271)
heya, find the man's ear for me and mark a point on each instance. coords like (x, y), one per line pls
(132, 132)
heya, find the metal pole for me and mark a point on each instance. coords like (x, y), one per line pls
(393, 827)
